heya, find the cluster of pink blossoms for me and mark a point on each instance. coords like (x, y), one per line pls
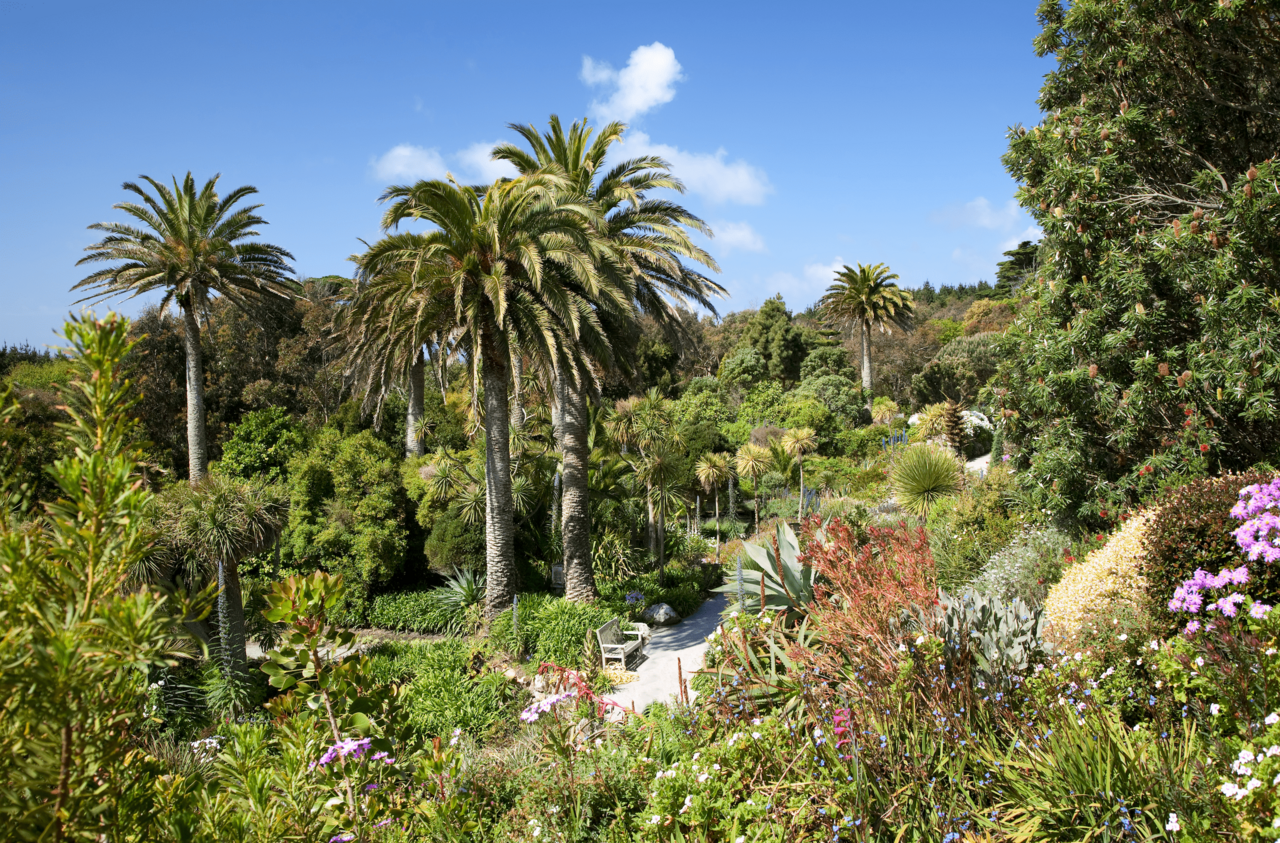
(1189, 596)
(1257, 509)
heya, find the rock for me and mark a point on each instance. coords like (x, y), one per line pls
(539, 684)
(510, 674)
(660, 614)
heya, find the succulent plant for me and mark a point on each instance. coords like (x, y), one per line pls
(784, 582)
(993, 640)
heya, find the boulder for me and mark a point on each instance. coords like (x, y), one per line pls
(660, 614)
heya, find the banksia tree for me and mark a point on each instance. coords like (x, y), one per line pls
(953, 426)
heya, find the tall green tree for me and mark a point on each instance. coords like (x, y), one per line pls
(1018, 266)
(713, 470)
(517, 265)
(866, 298)
(193, 245)
(777, 340)
(647, 245)
(1147, 349)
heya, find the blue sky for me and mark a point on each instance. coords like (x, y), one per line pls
(809, 134)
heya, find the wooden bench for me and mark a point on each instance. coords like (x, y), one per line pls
(614, 643)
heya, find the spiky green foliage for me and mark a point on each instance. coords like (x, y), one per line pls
(923, 475)
(776, 574)
(193, 245)
(75, 643)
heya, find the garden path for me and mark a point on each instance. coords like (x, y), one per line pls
(657, 674)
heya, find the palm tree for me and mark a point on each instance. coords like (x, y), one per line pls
(646, 424)
(649, 239)
(863, 298)
(193, 245)
(208, 530)
(711, 471)
(518, 268)
(753, 461)
(797, 443)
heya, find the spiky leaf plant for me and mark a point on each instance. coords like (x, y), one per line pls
(924, 475)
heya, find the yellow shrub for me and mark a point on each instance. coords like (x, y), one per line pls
(1107, 576)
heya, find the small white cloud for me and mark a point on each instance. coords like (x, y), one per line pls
(476, 162)
(707, 174)
(646, 82)
(1032, 233)
(824, 273)
(981, 214)
(408, 163)
(737, 235)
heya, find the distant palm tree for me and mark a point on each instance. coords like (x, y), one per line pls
(646, 425)
(193, 246)
(712, 470)
(797, 443)
(649, 240)
(864, 298)
(518, 269)
(753, 461)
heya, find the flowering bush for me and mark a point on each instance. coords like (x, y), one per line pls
(1108, 578)
(1192, 528)
(1027, 568)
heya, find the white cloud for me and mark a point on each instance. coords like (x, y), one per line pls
(647, 81)
(824, 273)
(707, 174)
(409, 163)
(476, 162)
(981, 214)
(1032, 233)
(737, 235)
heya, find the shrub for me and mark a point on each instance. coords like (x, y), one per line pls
(455, 545)
(923, 475)
(965, 531)
(445, 687)
(1026, 568)
(1108, 578)
(450, 608)
(551, 629)
(861, 443)
(1191, 529)
(261, 445)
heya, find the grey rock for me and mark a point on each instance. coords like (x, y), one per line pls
(660, 614)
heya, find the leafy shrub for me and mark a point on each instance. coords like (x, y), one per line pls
(414, 611)
(261, 445)
(996, 639)
(846, 509)
(454, 544)
(960, 369)
(446, 687)
(551, 629)
(966, 531)
(923, 475)
(1026, 568)
(861, 443)
(1108, 577)
(1192, 528)
(684, 590)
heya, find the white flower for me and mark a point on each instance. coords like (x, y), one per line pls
(1154, 645)
(655, 819)
(742, 838)
(1125, 637)
(902, 648)
(1246, 756)
(1172, 824)
(1272, 719)
(1214, 709)
(702, 778)
(715, 766)
(688, 800)
(1078, 657)
(1199, 661)
(920, 640)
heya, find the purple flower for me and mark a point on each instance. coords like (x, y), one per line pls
(536, 710)
(342, 838)
(1259, 610)
(1192, 627)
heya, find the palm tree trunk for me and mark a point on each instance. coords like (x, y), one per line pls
(197, 441)
(866, 360)
(231, 637)
(717, 526)
(755, 498)
(575, 529)
(517, 394)
(413, 446)
(660, 540)
(499, 526)
(800, 508)
(649, 524)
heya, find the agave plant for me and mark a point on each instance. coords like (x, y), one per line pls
(924, 475)
(774, 578)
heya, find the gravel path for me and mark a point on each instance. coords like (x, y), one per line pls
(685, 641)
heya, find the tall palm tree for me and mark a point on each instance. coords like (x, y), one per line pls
(193, 245)
(518, 268)
(797, 443)
(753, 461)
(649, 238)
(863, 298)
(711, 471)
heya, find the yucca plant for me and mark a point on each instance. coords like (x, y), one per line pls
(774, 578)
(924, 475)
